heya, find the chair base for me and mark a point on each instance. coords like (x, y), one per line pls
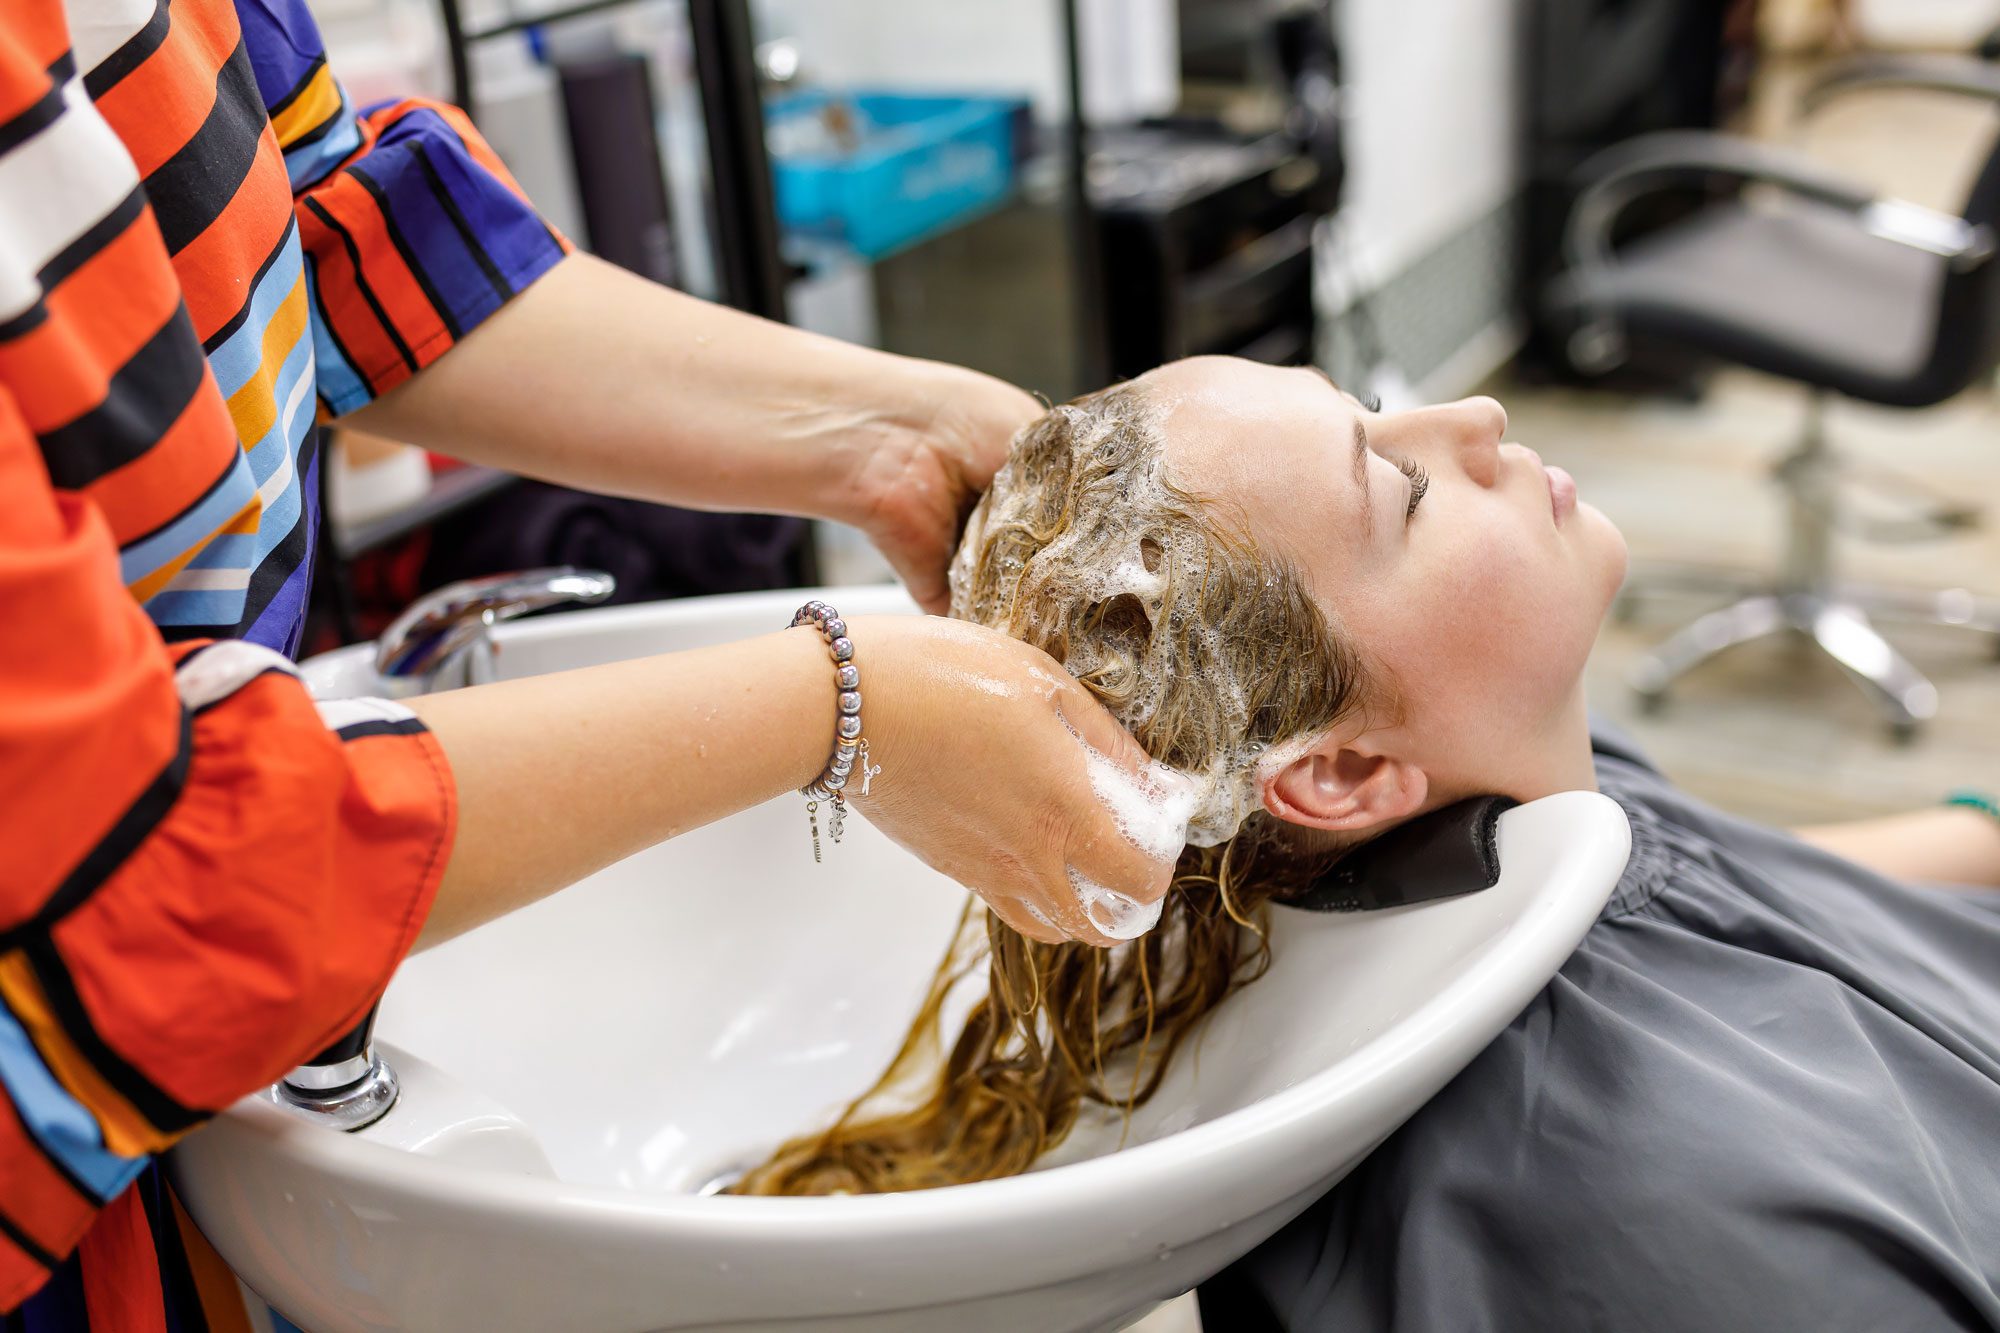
(1840, 620)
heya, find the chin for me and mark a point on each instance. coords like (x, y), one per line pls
(1604, 548)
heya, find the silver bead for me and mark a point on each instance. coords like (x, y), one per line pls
(849, 676)
(843, 648)
(836, 781)
(850, 701)
(836, 628)
(850, 727)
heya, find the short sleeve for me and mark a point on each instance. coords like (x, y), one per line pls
(206, 877)
(414, 231)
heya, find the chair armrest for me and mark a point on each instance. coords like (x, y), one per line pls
(1958, 76)
(1626, 172)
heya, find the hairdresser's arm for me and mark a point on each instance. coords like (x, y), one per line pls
(1942, 845)
(979, 737)
(596, 378)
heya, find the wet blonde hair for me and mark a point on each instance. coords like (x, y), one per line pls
(1210, 653)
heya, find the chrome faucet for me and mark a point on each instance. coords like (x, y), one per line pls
(441, 642)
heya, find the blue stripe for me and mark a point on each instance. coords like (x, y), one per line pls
(237, 359)
(309, 164)
(509, 229)
(199, 606)
(338, 382)
(238, 550)
(283, 42)
(59, 1122)
(189, 530)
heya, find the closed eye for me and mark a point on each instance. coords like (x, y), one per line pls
(1420, 482)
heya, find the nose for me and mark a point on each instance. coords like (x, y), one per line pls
(1471, 430)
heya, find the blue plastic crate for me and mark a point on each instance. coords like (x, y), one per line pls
(915, 165)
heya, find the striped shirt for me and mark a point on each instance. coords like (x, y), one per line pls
(204, 877)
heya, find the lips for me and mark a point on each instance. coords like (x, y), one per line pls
(1562, 492)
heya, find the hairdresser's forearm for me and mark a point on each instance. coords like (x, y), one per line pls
(596, 378)
(560, 775)
(1944, 845)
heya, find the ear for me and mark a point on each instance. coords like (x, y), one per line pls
(1345, 788)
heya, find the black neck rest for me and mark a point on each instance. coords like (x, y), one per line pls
(1442, 854)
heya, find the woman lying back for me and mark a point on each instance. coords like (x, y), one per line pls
(1295, 622)
(1768, 1064)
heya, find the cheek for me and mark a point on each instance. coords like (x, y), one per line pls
(1495, 627)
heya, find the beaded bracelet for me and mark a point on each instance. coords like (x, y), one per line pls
(847, 741)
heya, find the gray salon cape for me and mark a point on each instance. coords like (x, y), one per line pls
(1764, 1093)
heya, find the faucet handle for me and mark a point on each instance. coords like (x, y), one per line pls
(440, 625)
(346, 1086)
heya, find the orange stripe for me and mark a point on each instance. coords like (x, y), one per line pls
(107, 310)
(19, 1275)
(214, 268)
(157, 107)
(389, 277)
(121, 1270)
(162, 483)
(214, 1284)
(44, 1205)
(126, 1132)
(92, 713)
(368, 344)
(29, 43)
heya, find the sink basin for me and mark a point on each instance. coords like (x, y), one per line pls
(573, 1075)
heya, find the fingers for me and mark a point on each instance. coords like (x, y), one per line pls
(1023, 922)
(1130, 815)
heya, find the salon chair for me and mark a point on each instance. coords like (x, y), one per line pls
(1789, 269)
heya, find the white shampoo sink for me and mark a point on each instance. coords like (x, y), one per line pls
(575, 1073)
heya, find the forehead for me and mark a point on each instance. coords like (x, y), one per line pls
(1275, 444)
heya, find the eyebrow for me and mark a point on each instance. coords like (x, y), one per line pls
(1361, 468)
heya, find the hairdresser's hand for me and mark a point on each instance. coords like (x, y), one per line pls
(916, 486)
(981, 741)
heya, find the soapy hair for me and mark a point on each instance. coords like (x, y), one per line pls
(1211, 653)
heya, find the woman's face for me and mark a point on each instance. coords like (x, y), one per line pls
(1467, 574)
